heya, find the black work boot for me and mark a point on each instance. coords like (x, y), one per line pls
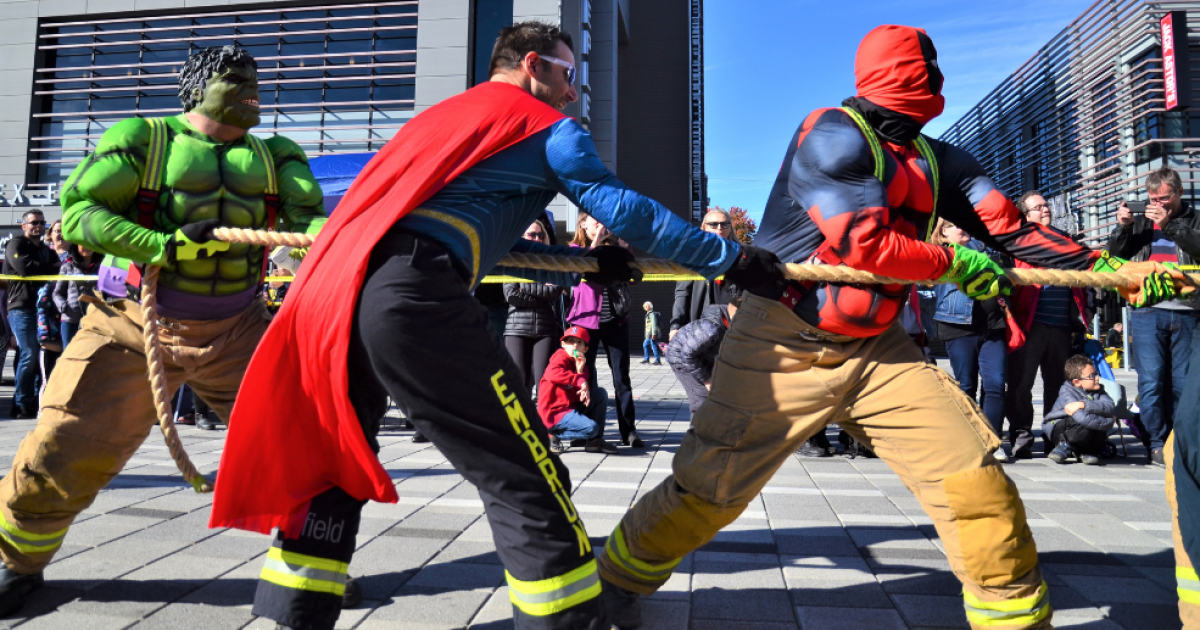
(14, 587)
(624, 607)
(353, 595)
(205, 423)
(812, 449)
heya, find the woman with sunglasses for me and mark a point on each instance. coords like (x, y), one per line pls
(534, 320)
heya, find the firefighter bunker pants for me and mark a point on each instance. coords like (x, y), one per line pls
(98, 409)
(421, 338)
(778, 382)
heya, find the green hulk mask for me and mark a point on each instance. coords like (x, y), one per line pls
(204, 180)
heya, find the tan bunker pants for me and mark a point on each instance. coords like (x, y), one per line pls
(1187, 583)
(777, 382)
(98, 409)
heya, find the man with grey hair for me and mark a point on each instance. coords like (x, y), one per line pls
(692, 297)
(650, 345)
(1162, 334)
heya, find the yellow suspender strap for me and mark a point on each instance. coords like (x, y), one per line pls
(260, 148)
(923, 148)
(156, 155)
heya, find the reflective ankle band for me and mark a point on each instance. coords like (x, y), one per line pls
(1187, 584)
(1025, 611)
(619, 554)
(305, 573)
(29, 542)
(546, 597)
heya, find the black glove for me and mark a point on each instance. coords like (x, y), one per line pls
(615, 266)
(195, 240)
(757, 271)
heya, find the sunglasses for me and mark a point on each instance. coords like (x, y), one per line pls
(36, 223)
(537, 235)
(559, 62)
(719, 224)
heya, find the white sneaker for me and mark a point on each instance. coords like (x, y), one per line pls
(1000, 456)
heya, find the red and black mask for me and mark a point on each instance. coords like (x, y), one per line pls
(897, 75)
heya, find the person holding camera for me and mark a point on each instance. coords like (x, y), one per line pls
(1162, 334)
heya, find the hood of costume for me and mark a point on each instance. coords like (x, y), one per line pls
(898, 81)
(293, 433)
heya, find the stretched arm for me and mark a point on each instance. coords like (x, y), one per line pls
(300, 197)
(970, 199)
(639, 220)
(97, 200)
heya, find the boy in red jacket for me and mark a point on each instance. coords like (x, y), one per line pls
(569, 408)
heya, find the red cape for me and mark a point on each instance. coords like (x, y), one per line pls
(294, 433)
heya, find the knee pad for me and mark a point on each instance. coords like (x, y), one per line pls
(997, 545)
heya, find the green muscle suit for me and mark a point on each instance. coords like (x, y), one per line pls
(97, 408)
(203, 179)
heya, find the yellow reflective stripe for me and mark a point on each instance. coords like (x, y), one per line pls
(260, 148)
(461, 226)
(553, 595)
(1008, 612)
(29, 542)
(313, 562)
(876, 148)
(1187, 585)
(926, 152)
(301, 583)
(644, 570)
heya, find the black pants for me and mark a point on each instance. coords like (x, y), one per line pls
(1085, 441)
(615, 337)
(532, 355)
(420, 337)
(1048, 348)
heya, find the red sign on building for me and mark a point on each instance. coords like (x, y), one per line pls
(1177, 83)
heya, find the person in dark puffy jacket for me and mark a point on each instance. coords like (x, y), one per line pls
(534, 324)
(1079, 422)
(693, 352)
(79, 261)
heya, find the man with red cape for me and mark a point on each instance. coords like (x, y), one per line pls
(383, 307)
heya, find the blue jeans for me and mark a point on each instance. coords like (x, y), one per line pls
(23, 322)
(578, 426)
(648, 345)
(68, 330)
(1162, 344)
(985, 356)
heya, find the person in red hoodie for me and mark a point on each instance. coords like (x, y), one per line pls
(569, 407)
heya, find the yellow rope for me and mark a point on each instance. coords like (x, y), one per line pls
(158, 382)
(817, 273)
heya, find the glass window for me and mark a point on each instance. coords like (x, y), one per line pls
(319, 94)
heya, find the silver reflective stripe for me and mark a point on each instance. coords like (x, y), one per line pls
(19, 541)
(1188, 585)
(562, 593)
(305, 572)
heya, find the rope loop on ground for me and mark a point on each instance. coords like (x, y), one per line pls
(817, 273)
(158, 382)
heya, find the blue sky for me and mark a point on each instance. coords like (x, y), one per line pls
(770, 62)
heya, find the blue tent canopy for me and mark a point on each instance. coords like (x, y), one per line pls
(335, 173)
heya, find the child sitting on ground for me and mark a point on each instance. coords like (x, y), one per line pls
(693, 352)
(1082, 415)
(569, 408)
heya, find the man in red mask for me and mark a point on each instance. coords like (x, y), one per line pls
(861, 187)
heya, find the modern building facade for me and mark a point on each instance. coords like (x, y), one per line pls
(341, 77)
(1099, 106)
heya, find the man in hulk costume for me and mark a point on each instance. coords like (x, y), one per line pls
(151, 194)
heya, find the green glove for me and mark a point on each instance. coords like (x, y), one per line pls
(1158, 282)
(976, 274)
(194, 240)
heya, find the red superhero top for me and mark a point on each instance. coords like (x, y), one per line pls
(827, 200)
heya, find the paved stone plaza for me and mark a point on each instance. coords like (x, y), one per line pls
(831, 544)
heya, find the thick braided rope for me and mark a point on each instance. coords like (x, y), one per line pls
(158, 382)
(817, 273)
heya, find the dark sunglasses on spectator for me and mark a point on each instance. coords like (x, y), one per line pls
(537, 235)
(719, 224)
(36, 223)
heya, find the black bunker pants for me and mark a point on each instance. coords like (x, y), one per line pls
(420, 337)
